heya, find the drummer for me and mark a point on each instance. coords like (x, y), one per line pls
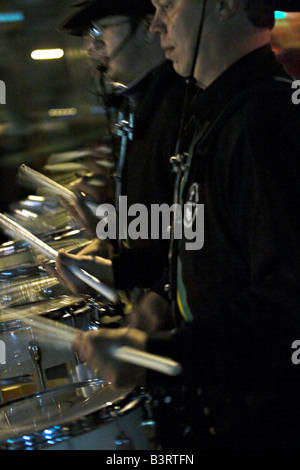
(132, 55)
(239, 294)
(120, 50)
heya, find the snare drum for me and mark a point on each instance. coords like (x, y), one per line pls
(64, 419)
(23, 290)
(18, 259)
(33, 360)
(81, 312)
(68, 309)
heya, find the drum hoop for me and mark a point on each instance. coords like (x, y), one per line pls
(48, 391)
(52, 306)
(73, 428)
(9, 325)
(76, 303)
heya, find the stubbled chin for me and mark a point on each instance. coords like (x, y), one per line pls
(180, 69)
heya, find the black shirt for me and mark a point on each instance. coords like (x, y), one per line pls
(239, 294)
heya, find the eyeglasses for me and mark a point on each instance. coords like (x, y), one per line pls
(97, 31)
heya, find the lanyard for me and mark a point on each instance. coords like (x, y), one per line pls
(125, 128)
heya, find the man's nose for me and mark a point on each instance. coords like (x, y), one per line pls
(157, 26)
(94, 45)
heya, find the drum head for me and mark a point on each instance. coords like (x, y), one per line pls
(52, 307)
(61, 405)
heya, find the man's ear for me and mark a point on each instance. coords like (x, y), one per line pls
(227, 8)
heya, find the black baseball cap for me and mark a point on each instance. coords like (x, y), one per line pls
(87, 11)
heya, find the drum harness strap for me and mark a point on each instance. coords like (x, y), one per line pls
(125, 128)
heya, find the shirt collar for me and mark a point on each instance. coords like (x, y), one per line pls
(136, 87)
(251, 69)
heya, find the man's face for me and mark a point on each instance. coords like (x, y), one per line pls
(113, 30)
(96, 54)
(178, 22)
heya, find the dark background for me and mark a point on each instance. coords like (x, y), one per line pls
(27, 133)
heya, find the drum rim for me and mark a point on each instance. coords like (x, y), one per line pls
(75, 302)
(73, 299)
(49, 391)
(65, 431)
(8, 325)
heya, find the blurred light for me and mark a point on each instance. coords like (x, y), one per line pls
(62, 112)
(97, 110)
(47, 54)
(26, 213)
(32, 197)
(280, 15)
(11, 17)
(149, 422)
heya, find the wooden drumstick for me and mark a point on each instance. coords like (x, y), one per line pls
(67, 334)
(18, 232)
(144, 359)
(27, 174)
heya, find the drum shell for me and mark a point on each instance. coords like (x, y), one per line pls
(111, 420)
(57, 361)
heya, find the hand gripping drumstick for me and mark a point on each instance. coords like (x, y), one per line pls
(134, 356)
(66, 334)
(27, 175)
(18, 232)
(145, 359)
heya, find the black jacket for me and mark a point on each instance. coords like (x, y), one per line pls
(240, 292)
(147, 177)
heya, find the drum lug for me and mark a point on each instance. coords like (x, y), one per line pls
(149, 429)
(104, 314)
(148, 424)
(34, 350)
(123, 442)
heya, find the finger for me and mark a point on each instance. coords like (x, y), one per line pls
(95, 349)
(100, 268)
(91, 354)
(53, 272)
(72, 211)
(68, 259)
(77, 212)
(69, 279)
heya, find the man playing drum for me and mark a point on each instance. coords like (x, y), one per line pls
(239, 295)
